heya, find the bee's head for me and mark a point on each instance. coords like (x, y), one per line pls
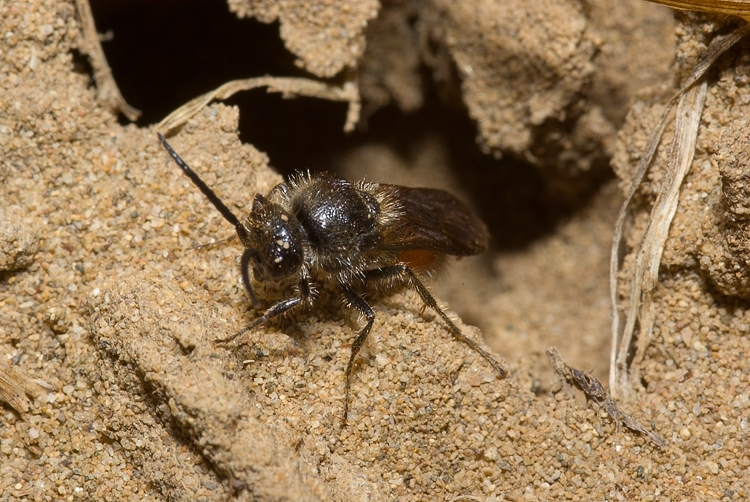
(277, 239)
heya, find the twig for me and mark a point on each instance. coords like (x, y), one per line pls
(107, 89)
(14, 386)
(594, 391)
(288, 86)
(651, 247)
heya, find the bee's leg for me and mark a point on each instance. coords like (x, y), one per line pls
(305, 295)
(361, 305)
(402, 274)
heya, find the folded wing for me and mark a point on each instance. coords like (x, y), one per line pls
(433, 220)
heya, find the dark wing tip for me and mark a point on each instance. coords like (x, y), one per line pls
(433, 220)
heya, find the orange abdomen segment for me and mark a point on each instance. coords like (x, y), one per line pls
(420, 260)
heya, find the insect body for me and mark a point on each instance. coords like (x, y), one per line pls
(322, 226)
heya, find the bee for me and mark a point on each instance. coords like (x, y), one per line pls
(323, 227)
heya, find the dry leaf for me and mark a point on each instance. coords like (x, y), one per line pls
(736, 7)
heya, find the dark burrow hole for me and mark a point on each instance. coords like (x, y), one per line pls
(163, 54)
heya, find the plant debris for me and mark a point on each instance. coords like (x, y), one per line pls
(737, 7)
(648, 256)
(14, 387)
(595, 391)
(287, 86)
(107, 89)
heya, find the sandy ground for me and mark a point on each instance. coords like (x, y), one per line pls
(108, 311)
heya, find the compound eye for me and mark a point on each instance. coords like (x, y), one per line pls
(283, 255)
(278, 239)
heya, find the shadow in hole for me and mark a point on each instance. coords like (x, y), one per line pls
(165, 53)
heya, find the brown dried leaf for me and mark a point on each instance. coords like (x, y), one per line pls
(736, 7)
